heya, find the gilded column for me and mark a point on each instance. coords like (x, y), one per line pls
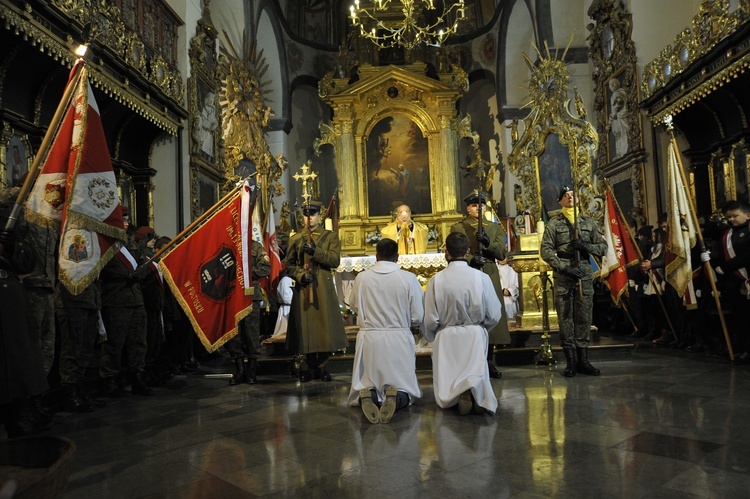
(447, 193)
(346, 166)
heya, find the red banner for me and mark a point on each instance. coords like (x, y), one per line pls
(206, 276)
(621, 252)
(77, 190)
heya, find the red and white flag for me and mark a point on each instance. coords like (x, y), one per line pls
(681, 234)
(206, 273)
(621, 253)
(272, 249)
(77, 190)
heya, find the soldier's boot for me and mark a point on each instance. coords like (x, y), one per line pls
(252, 367)
(584, 366)
(112, 389)
(90, 399)
(239, 376)
(139, 386)
(570, 356)
(73, 400)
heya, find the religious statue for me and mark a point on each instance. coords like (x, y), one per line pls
(513, 131)
(619, 117)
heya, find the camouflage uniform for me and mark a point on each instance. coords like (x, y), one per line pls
(574, 314)
(247, 342)
(39, 284)
(78, 319)
(124, 319)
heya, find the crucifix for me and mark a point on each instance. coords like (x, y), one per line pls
(307, 175)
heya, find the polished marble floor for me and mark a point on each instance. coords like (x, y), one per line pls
(657, 423)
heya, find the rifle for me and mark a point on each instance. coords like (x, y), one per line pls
(308, 265)
(576, 210)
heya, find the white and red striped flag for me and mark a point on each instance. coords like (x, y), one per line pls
(77, 190)
(620, 254)
(681, 234)
(272, 249)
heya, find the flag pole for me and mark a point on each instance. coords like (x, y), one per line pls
(694, 215)
(41, 154)
(650, 275)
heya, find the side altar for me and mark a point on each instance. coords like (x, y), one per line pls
(395, 132)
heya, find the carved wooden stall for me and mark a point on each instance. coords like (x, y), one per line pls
(702, 79)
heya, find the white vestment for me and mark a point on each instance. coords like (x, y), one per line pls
(388, 301)
(460, 307)
(509, 280)
(284, 293)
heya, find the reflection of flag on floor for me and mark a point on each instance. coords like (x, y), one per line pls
(206, 274)
(77, 189)
(681, 234)
(621, 253)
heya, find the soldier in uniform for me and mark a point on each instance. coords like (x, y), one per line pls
(315, 325)
(21, 364)
(574, 307)
(492, 240)
(124, 317)
(247, 341)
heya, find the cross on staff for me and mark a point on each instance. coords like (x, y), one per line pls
(307, 175)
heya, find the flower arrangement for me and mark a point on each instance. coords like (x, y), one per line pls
(373, 237)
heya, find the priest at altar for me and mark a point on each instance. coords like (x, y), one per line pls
(410, 235)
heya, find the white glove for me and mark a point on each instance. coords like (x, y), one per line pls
(705, 256)
(719, 271)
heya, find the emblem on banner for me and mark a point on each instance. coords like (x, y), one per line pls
(219, 274)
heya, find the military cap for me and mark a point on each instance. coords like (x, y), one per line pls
(312, 207)
(563, 191)
(476, 197)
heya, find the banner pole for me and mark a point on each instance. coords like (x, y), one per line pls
(41, 154)
(694, 215)
(650, 276)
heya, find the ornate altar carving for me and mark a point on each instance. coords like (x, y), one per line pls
(206, 142)
(556, 147)
(379, 168)
(620, 155)
(554, 150)
(112, 28)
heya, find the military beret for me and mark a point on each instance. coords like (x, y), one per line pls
(563, 191)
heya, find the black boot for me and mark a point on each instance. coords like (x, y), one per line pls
(112, 389)
(89, 398)
(583, 366)
(252, 366)
(570, 356)
(239, 376)
(139, 386)
(73, 400)
(19, 422)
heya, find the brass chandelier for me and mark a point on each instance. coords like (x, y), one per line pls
(386, 27)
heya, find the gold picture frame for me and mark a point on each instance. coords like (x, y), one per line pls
(16, 156)
(721, 180)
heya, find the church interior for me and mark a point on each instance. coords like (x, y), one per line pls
(389, 106)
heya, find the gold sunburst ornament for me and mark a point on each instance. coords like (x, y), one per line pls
(245, 110)
(548, 85)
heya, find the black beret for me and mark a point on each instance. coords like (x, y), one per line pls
(563, 191)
